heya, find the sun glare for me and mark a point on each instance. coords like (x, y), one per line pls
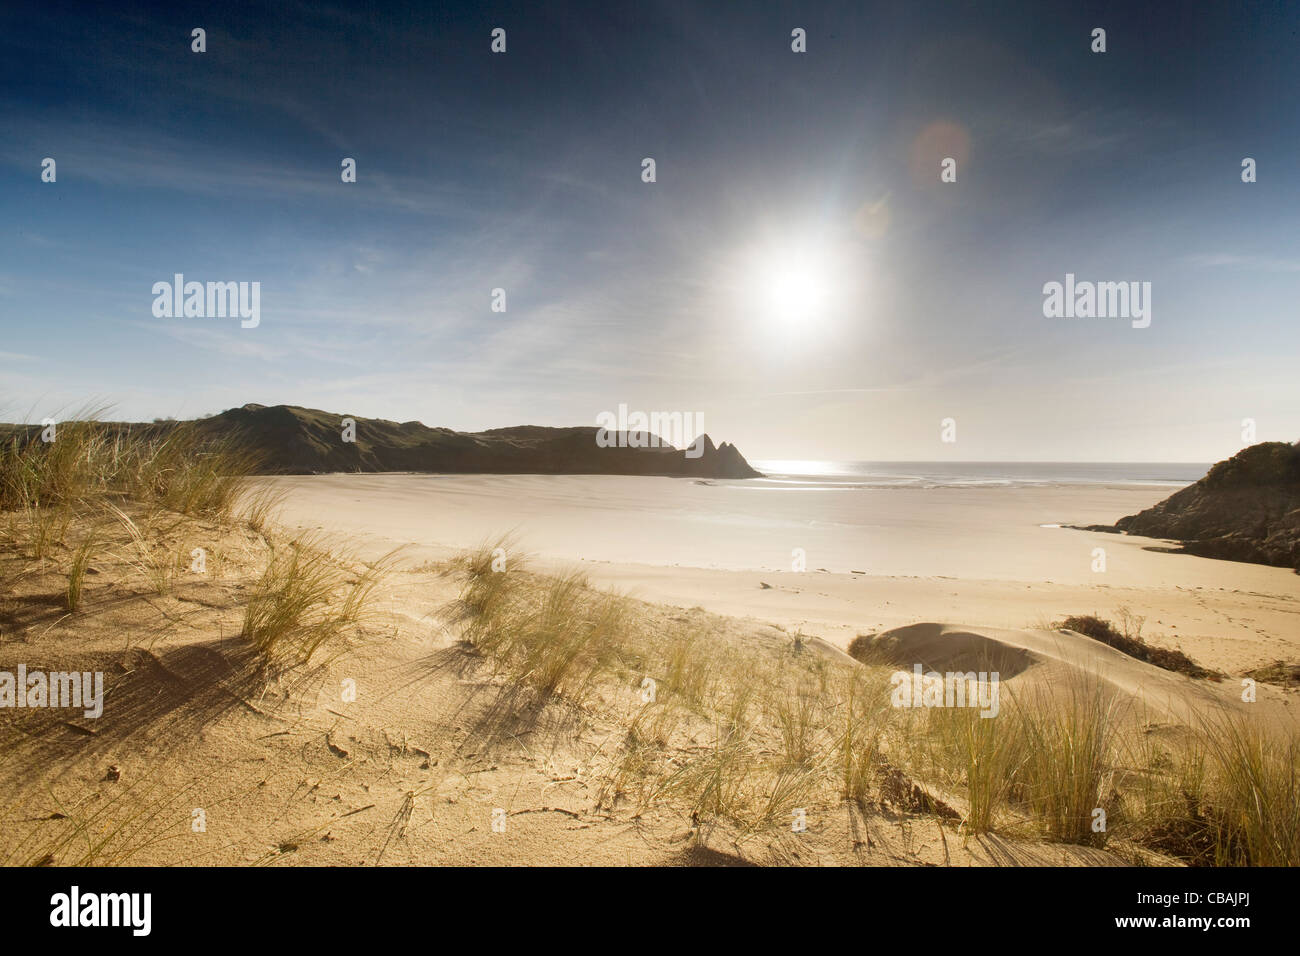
(795, 290)
(792, 286)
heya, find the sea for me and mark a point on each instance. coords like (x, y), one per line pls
(957, 474)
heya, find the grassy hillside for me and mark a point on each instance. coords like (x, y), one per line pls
(296, 440)
(287, 439)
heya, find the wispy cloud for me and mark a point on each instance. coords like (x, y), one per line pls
(1248, 262)
(143, 158)
(233, 341)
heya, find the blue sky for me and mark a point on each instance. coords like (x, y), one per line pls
(522, 171)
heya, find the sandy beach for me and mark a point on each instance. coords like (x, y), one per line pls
(876, 558)
(339, 669)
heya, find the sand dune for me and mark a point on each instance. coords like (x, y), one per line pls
(1043, 659)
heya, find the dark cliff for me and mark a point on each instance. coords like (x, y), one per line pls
(1245, 509)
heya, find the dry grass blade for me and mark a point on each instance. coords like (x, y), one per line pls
(293, 609)
(77, 571)
(156, 572)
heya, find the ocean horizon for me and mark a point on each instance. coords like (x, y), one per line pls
(925, 474)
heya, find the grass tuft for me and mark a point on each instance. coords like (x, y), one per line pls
(306, 596)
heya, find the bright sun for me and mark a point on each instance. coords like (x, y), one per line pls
(791, 288)
(794, 290)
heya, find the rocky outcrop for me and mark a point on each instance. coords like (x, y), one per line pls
(292, 440)
(1245, 509)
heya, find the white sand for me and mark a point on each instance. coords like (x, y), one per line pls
(972, 555)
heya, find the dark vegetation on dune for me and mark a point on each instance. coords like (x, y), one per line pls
(1134, 646)
(286, 439)
(1245, 509)
(1279, 672)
